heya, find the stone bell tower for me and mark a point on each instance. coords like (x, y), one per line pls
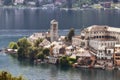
(54, 30)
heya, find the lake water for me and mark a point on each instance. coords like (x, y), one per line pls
(19, 18)
(16, 23)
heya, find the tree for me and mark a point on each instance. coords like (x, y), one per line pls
(41, 56)
(24, 45)
(21, 53)
(70, 34)
(32, 53)
(8, 76)
(37, 42)
(46, 51)
(64, 62)
(115, 1)
(37, 3)
(13, 45)
(7, 2)
(69, 2)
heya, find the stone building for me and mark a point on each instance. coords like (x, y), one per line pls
(117, 55)
(54, 31)
(100, 39)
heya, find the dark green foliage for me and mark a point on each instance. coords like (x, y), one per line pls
(7, 76)
(24, 45)
(37, 42)
(32, 53)
(13, 45)
(27, 51)
(23, 42)
(40, 56)
(21, 53)
(64, 62)
(7, 2)
(69, 3)
(46, 51)
(72, 59)
(70, 34)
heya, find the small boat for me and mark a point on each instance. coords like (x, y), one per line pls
(83, 66)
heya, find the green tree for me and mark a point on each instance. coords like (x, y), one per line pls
(37, 42)
(21, 53)
(70, 34)
(8, 76)
(7, 2)
(13, 45)
(64, 62)
(40, 55)
(32, 53)
(46, 51)
(24, 45)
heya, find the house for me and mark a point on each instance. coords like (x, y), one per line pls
(31, 3)
(116, 56)
(58, 49)
(36, 36)
(16, 2)
(44, 43)
(99, 39)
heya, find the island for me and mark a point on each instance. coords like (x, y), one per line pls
(96, 47)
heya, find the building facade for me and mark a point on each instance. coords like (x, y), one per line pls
(117, 55)
(100, 39)
(18, 2)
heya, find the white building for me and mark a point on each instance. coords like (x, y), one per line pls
(18, 2)
(45, 43)
(54, 31)
(58, 48)
(79, 41)
(100, 39)
(36, 36)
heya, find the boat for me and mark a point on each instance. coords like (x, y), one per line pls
(82, 66)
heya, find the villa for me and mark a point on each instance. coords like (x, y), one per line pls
(101, 40)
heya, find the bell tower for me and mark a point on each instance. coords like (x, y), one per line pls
(54, 30)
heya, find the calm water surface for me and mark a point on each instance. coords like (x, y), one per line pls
(19, 18)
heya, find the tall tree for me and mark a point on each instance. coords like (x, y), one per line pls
(115, 1)
(24, 46)
(7, 2)
(13, 45)
(46, 51)
(70, 34)
(69, 3)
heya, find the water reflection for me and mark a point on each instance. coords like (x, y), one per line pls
(40, 19)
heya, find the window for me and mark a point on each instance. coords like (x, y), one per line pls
(109, 51)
